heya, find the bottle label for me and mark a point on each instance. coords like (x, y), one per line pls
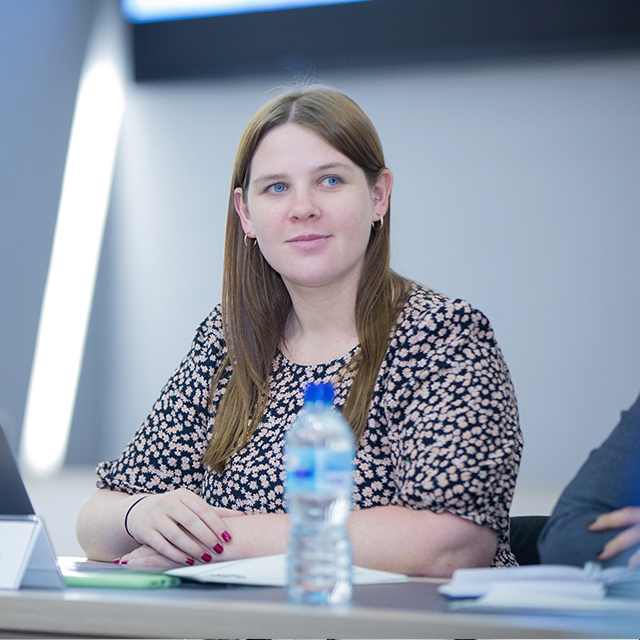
(311, 470)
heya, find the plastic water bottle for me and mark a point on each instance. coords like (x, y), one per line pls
(319, 463)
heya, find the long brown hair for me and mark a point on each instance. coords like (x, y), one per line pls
(255, 301)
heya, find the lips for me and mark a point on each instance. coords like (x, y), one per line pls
(310, 239)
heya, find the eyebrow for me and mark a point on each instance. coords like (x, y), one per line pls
(322, 167)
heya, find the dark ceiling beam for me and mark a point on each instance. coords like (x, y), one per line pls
(380, 32)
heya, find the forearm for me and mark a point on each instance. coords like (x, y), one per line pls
(256, 535)
(418, 542)
(566, 539)
(389, 538)
(100, 526)
(624, 548)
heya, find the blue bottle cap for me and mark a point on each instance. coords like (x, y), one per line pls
(319, 392)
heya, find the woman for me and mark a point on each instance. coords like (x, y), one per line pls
(308, 295)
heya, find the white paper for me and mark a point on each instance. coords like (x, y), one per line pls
(529, 572)
(588, 581)
(576, 588)
(269, 571)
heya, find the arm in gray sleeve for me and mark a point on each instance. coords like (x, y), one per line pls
(608, 480)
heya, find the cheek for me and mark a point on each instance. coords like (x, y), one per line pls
(265, 227)
(268, 232)
(358, 219)
(273, 253)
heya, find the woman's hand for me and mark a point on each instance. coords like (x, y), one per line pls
(145, 557)
(628, 517)
(179, 526)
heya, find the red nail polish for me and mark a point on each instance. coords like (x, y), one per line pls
(226, 536)
(117, 561)
(206, 557)
(190, 561)
(218, 548)
(124, 561)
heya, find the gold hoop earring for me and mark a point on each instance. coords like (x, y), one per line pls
(247, 243)
(381, 221)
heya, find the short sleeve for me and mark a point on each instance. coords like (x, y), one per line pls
(455, 431)
(167, 450)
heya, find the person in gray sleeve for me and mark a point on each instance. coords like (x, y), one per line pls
(597, 517)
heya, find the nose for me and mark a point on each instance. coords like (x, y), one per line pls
(303, 205)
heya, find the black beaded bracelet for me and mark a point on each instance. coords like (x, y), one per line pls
(126, 528)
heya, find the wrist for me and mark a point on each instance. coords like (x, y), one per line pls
(126, 515)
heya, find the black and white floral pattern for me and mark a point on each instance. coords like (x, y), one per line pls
(442, 433)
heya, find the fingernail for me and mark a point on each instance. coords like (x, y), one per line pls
(117, 561)
(218, 548)
(600, 552)
(226, 536)
(206, 557)
(590, 522)
(190, 561)
(124, 561)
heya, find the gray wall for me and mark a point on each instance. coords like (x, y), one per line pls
(41, 50)
(516, 188)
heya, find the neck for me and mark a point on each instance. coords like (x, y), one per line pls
(321, 326)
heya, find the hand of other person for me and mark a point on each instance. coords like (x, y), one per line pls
(628, 517)
(179, 526)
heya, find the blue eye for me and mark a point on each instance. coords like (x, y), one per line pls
(278, 187)
(332, 181)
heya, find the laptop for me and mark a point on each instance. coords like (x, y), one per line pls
(21, 529)
(14, 499)
(41, 569)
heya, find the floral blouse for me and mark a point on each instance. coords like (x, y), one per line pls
(442, 432)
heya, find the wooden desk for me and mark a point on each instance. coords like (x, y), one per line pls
(410, 610)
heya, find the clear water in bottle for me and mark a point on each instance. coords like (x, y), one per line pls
(319, 463)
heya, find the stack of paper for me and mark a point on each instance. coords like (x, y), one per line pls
(545, 588)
